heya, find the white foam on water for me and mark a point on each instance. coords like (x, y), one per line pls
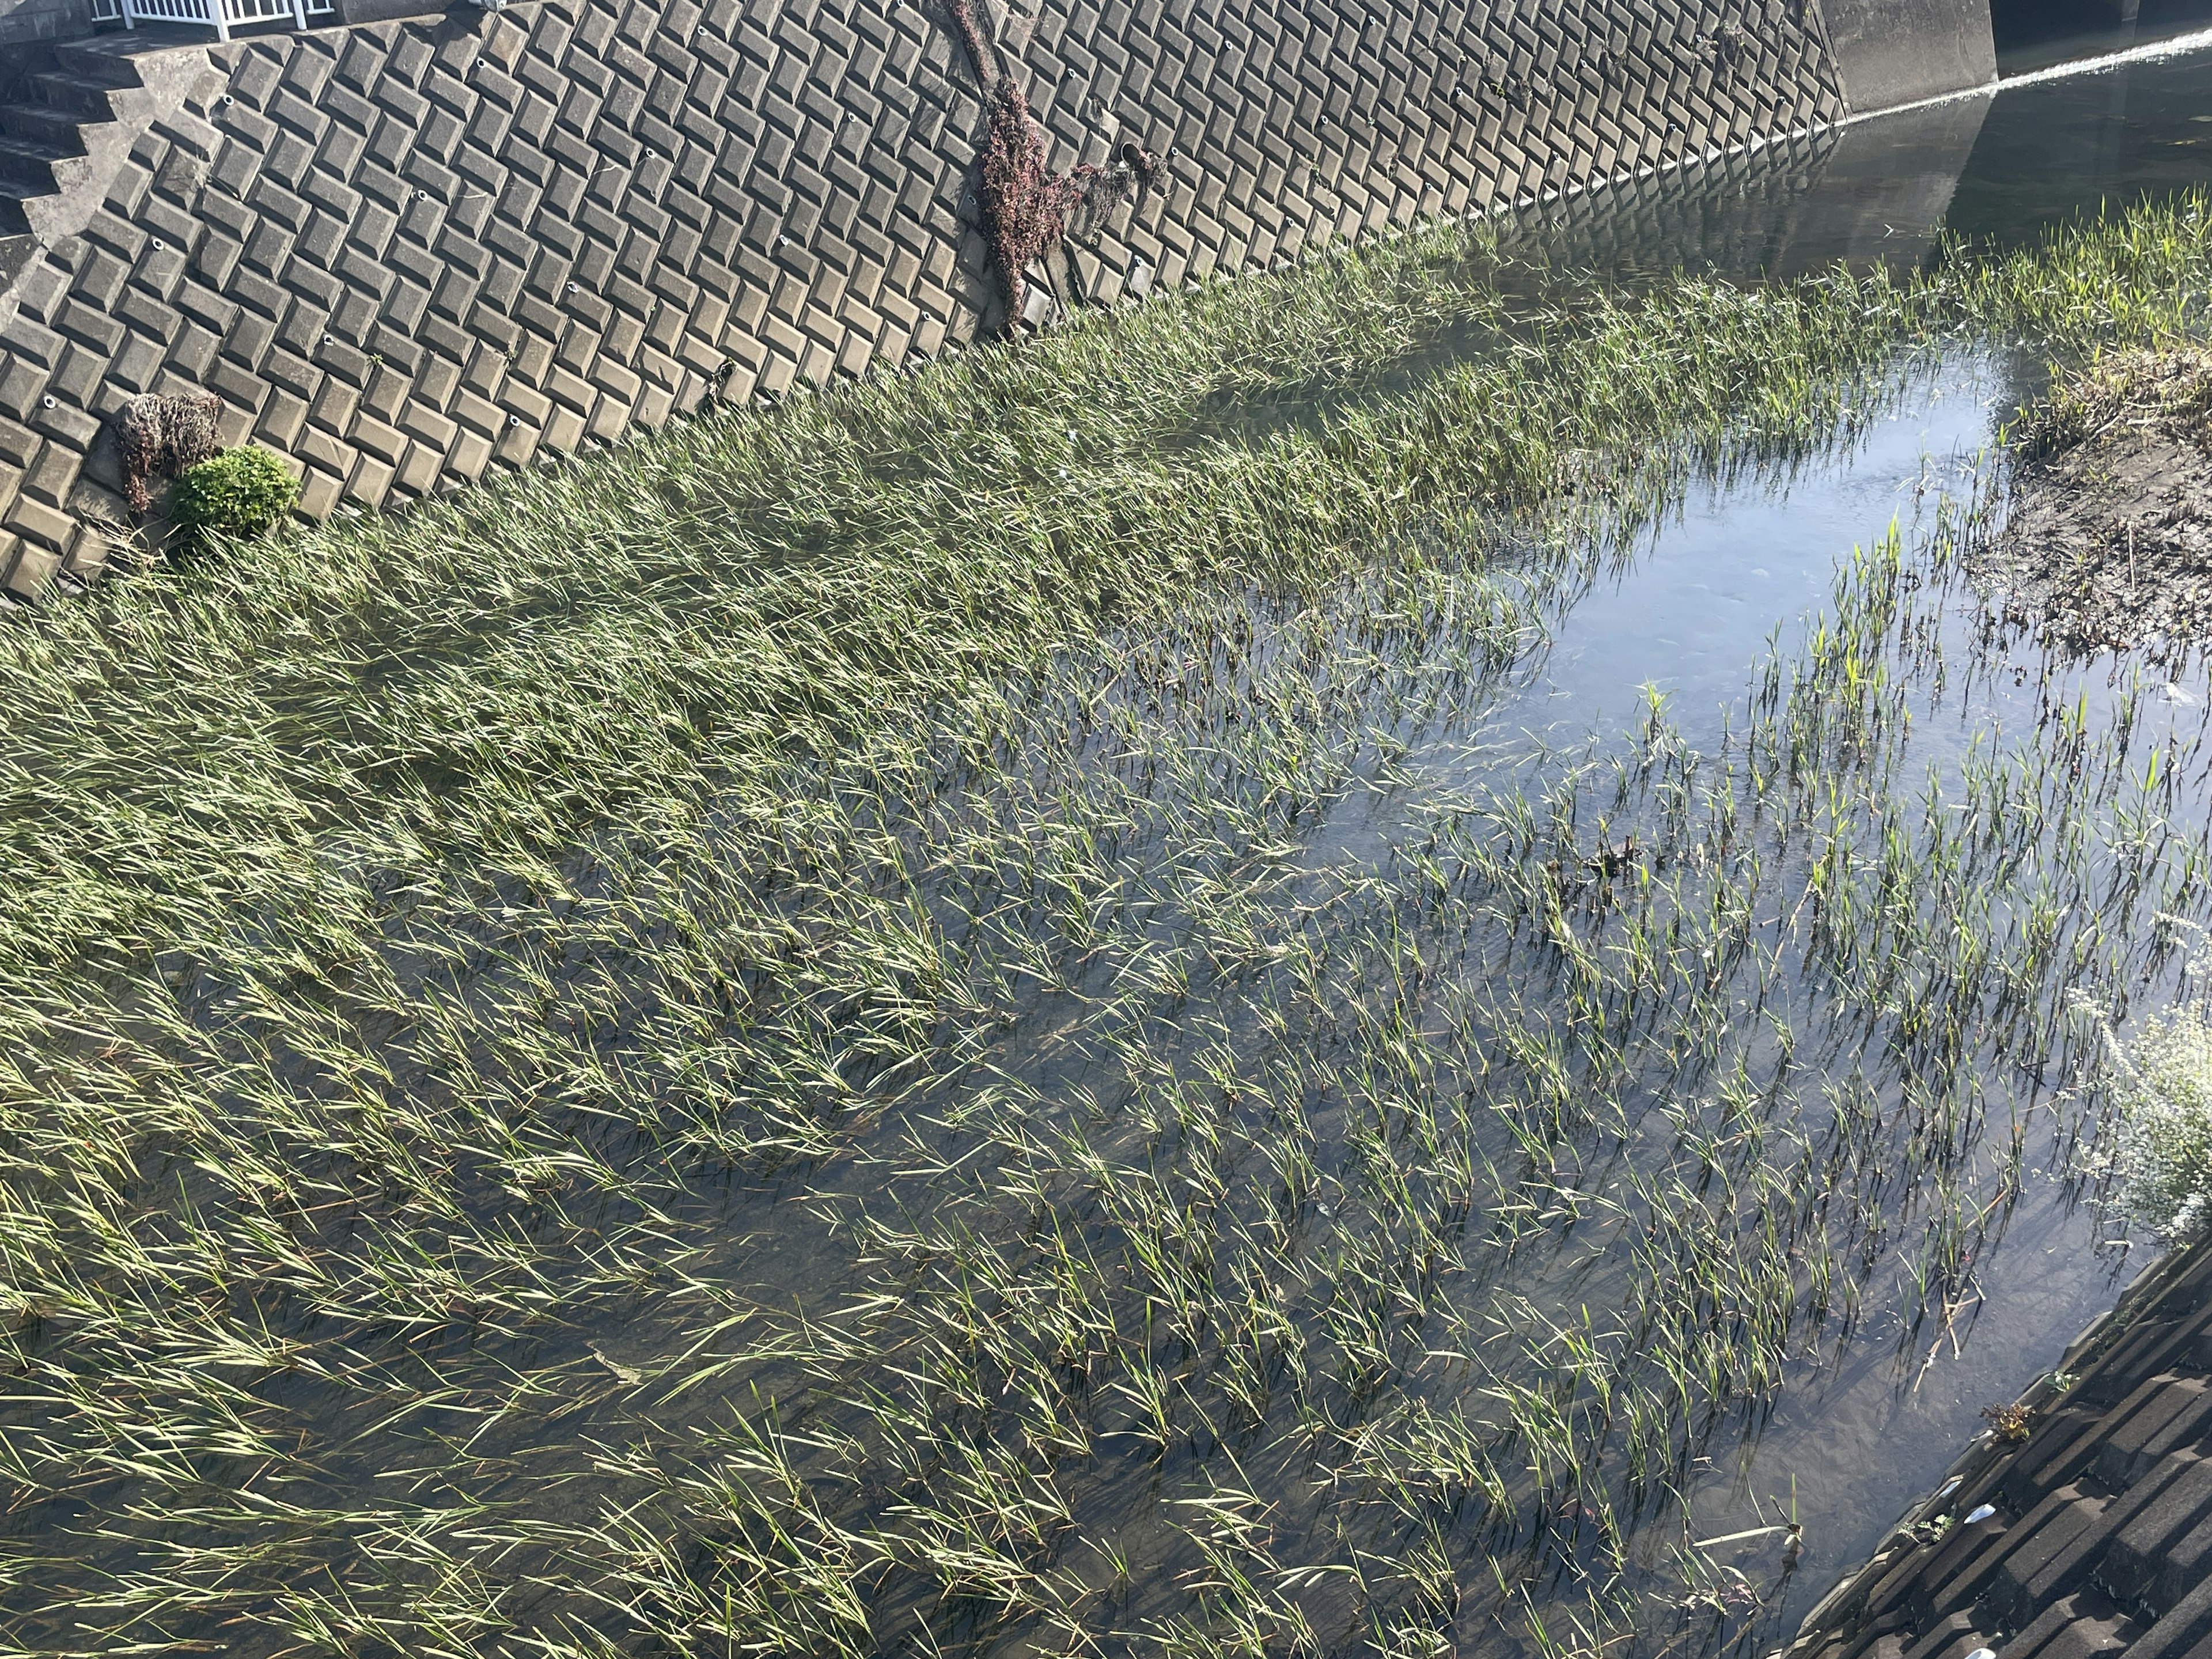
(2179, 45)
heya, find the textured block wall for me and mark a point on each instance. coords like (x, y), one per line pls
(2093, 1536)
(409, 253)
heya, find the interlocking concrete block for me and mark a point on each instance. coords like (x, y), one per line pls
(283, 418)
(320, 493)
(788, 189)
(32, 569)
(42, 525)
(323, 453)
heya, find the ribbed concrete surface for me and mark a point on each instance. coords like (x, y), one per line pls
(409, 253)
(2092, 1537)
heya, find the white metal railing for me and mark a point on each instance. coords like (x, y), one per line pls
(220, 16)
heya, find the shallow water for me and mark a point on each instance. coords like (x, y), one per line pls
(1861, 1410)
(1249, 993)
(1857, 1440)
(1863, 1428)
(2070, 146)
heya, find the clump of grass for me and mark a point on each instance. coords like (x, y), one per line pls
(811, 1037)
(2172, 388)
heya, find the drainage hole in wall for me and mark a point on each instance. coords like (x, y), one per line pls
(47, 403)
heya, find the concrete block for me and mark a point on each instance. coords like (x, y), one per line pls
(1889, 53)
(467, 458)
(320, 493)
(33, 568)
(42, 525)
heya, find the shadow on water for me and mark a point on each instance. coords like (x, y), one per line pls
(2036, 34)
(2071, 147)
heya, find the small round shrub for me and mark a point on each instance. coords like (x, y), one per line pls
(2165, 1141)
(239, 492)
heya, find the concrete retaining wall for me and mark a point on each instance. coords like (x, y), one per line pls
(409, 253)
(2090, 1535)
(1890, 53)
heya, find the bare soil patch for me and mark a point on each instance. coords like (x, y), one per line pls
(2109, 542)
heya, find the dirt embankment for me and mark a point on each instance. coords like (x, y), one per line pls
(2109, 542)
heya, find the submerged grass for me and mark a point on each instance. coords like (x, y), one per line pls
(926, 1020)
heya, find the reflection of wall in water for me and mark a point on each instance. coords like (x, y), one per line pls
(2084, 145)
(1874, 193)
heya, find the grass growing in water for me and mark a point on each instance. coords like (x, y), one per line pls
(794, 1038)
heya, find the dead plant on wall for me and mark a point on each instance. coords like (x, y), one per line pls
(1027, 211)
(159, 436)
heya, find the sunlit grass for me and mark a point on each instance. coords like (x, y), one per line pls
(866, 1024)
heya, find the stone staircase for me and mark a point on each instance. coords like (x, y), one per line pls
(68, 124)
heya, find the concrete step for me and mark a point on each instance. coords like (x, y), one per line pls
(109, 57)
(80, 95)
(14, 222)
(31, 164)
(42, 123)
(73, 107)
(68, 124)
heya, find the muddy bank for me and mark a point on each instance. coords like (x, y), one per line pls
(2108, 545)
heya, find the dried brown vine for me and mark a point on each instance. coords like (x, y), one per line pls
(1026, 209)
(163, 435)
